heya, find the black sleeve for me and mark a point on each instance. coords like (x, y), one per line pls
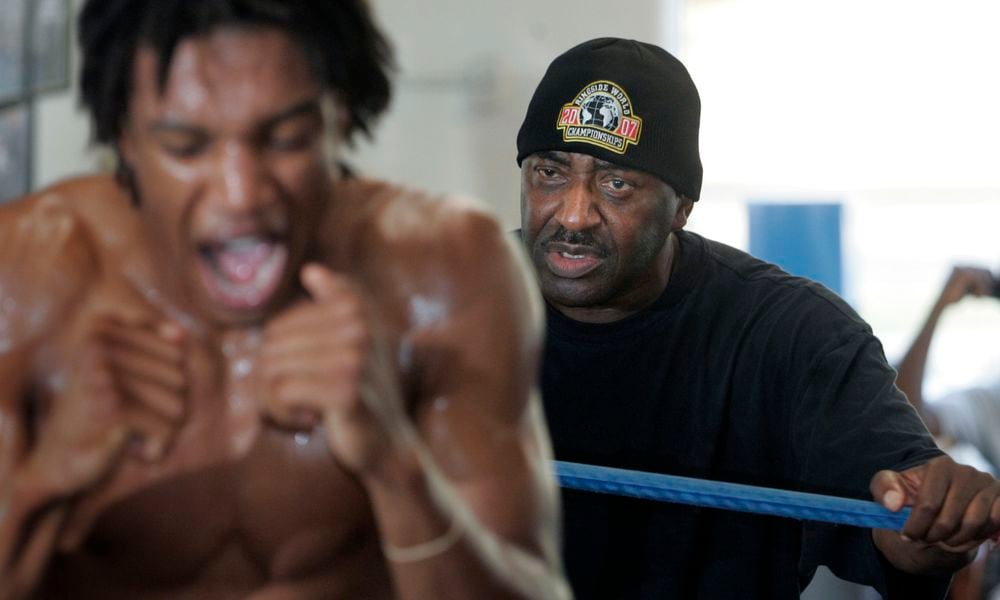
(850, 423)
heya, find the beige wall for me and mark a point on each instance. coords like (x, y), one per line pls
(467, 72)
(61, 134)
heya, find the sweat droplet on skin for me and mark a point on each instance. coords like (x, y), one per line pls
(20, 321)
(57, 381)
(427, 311)
(237, 400)
(242, 368)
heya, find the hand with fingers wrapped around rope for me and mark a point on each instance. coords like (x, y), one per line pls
(323, 364)
(325, 367)
(955, 509)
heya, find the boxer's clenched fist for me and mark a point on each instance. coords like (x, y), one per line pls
(319, 359)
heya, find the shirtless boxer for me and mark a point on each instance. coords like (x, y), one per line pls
(231, 372)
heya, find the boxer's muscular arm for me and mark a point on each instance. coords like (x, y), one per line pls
(478, 412)
(442, 425)
(45, 261)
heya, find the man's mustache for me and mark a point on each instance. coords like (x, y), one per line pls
(575, 238)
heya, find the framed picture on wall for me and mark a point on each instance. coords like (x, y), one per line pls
(50, 45)
(13, 151)
(12, 14)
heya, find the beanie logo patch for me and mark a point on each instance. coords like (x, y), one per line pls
(601, 114)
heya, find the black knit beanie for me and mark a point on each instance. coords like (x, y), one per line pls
(627, 102)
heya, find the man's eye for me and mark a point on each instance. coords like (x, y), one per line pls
(618, 185)
(186, 150)
(291, 136)
(290, 143)
(546, 172)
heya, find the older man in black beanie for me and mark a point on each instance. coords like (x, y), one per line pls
(672, 353)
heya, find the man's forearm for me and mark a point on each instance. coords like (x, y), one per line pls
(911, 369)
(435, 545)
(410, 519)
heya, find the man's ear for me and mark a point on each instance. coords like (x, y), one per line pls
(684, 208)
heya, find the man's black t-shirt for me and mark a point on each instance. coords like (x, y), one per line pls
(738, 372)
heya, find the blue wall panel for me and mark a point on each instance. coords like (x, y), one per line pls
(803, 239)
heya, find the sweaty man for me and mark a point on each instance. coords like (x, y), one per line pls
(669, 352)
(233, 372)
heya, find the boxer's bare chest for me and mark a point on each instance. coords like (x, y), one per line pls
(234, 497)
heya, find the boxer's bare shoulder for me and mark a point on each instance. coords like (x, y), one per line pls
(442, 267)
(375, 226)
(48, 257)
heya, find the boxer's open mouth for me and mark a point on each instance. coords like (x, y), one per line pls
(243, 272)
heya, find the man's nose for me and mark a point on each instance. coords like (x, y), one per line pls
(241, 179)
(577, 211)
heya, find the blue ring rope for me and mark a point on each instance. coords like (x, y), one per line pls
(729, 496)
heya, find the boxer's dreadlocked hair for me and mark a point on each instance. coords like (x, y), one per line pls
(348, 53)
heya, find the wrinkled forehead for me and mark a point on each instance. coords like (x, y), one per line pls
(243, 69)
